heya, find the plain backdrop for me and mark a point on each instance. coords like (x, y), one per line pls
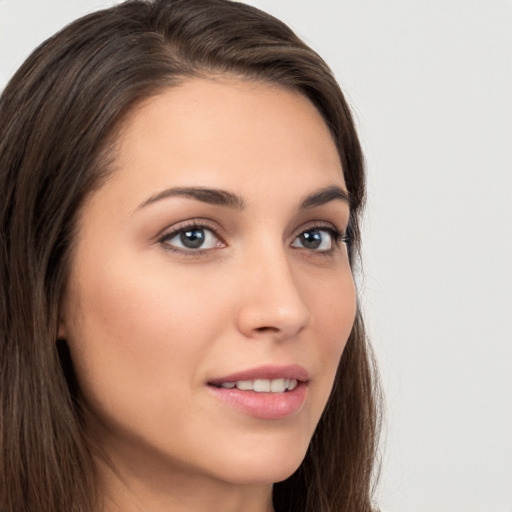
(430, 84)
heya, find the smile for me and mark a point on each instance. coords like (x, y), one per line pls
(267, 392)
(263, 385)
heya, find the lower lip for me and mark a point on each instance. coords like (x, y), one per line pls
(270, 406)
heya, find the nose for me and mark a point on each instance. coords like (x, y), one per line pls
(272, 302)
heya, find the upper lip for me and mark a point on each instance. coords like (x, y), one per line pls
(292, 371)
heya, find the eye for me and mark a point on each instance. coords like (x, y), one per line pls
(191, 238)
(317, 239)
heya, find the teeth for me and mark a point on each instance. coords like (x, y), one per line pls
(277, 386)
(262, 385)
(244, 385)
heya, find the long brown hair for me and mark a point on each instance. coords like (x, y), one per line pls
(58, 118)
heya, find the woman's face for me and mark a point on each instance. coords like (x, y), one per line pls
(210, 263)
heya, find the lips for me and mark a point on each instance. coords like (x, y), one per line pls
(262, 385)
(267, 392)
(293, 371)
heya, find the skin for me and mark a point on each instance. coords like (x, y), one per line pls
(149, 323)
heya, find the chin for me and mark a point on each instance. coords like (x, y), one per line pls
(262, 465)
(262, 474)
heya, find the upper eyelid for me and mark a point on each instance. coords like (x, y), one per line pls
(173, 231)
(190, 223)
(319, 224)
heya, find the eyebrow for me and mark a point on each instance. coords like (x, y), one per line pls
(229, 199)
(205, 195)
(325, 196)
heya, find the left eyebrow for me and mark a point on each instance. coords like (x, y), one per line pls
(324, 196)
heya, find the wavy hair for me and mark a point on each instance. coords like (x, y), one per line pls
(58, 121)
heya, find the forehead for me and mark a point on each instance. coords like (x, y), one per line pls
(213, 131)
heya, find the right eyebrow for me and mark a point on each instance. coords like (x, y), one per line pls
(206, 195)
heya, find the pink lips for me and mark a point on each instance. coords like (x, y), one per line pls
(265, 405)
(293, 371)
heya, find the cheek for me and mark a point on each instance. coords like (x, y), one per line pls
(334, 309)
(136, 337)
(334, 314)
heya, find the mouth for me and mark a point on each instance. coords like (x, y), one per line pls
(261, 385)
(267, 392)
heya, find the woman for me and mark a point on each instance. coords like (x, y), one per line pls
(181, 186)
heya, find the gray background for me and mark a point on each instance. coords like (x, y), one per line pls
(430, 83)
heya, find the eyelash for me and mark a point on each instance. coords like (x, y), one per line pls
(188, 226)
(338, 237)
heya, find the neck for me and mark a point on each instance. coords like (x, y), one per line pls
(142, 489)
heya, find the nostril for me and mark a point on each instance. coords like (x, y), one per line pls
(267, 329)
